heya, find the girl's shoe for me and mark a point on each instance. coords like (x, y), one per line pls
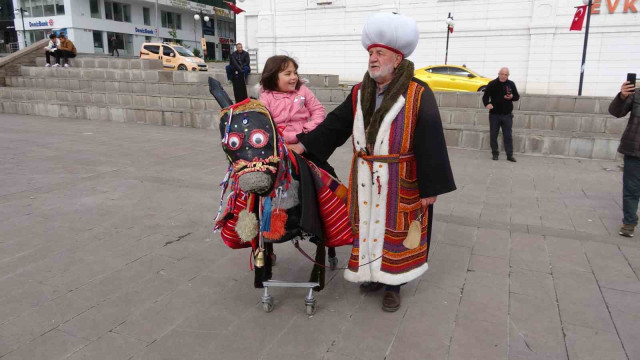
(333, 262)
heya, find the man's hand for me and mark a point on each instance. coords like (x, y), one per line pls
(508, 97)
(297, 148)
(490, 106)
(428, 201)
(626, 89)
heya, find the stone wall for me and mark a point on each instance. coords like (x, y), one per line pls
(10, 64)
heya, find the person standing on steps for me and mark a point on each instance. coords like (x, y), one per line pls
(498, 98)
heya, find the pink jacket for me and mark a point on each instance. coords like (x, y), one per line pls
(294, 112)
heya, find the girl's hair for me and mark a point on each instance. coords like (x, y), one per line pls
(52, 36)
(274, 66)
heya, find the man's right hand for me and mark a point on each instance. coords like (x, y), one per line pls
(490, 106)
(626, 89)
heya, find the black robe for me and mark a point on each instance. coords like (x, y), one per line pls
(434, 170)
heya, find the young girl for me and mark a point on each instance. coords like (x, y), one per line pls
(293, 108)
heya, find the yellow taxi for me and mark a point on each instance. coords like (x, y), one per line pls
(173, 56)
(452, 78)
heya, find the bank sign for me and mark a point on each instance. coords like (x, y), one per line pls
(624, 6)
(41, 23)
(144, 31)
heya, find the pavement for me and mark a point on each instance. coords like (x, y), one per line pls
(106, 252)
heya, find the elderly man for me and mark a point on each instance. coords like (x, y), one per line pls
(400, 162)
(498, 98)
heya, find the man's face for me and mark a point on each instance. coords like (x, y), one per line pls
(503, 75)
(239, 47)
(382, 63)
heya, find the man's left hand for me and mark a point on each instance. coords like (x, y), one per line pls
(508, 97)
(428, 201)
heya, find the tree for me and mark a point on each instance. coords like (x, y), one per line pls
(174, 35)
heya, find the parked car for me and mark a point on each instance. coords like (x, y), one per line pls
(173, 56)
(452, 78)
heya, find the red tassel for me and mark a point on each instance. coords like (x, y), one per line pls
(278, 221)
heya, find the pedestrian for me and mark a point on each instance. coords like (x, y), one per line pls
(628, 100)
(239, 62)
(400, 160)
(50, 49)
(66, 50)
(294, 109)
(498, 98)
(113, 45)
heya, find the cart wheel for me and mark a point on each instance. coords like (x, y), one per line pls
(267, 307)
(273, 259)
(311, 309)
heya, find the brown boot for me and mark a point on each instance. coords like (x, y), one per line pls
(391, 301)
(627, 230)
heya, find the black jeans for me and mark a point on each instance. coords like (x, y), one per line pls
(64, 54)
(47, 55)
(630, 189)
(497, 121)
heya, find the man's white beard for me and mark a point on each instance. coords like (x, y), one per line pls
(384, 71)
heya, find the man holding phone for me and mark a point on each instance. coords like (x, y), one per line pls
(628, 100)
(498, 98)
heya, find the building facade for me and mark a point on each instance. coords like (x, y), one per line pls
(97, 25)
(531, 37)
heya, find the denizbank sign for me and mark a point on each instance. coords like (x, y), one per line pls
(144, 31)
(40, 23)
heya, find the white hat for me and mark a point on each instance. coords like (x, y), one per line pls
(395, 32)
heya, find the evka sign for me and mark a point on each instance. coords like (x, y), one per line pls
(624, 6)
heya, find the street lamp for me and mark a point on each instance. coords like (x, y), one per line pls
(22, 12)
(196, 17)
(450, 24)
(584, 49)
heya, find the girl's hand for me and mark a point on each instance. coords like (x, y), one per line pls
(297, 148)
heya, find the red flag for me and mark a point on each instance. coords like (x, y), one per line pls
(578, 18)
(451, 29)
(236, 10)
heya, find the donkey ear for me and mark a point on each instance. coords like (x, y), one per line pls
(215, 88)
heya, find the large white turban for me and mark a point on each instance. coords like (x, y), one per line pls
(395, 32)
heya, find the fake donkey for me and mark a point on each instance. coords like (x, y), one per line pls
(275, 196)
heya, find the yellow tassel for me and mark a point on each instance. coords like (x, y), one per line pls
(413, 235)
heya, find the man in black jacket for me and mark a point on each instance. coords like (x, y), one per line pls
(238, 63)
(628, 101)
(498, 98)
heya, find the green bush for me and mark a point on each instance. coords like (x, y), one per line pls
(196, 52)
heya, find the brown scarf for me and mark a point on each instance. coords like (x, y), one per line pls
(369, 90)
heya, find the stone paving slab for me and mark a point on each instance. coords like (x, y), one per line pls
(106, 252)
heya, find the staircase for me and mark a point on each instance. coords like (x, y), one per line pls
(135, 90)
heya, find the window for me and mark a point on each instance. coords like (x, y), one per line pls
(439, 70)
(95, 9)
(59, 7)
(167, 51)
(154, 49)
(458, 72)
(108, 10)
(171, 20)
(148, 39)
(117, 11)
(98, 46)
(146, 15)
(35, 8)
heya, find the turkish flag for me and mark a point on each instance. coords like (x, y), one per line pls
(578, 18)
(236, 10)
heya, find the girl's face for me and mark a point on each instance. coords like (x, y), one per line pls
(288, 78)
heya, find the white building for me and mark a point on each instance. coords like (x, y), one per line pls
(91, 23)
(531, 37)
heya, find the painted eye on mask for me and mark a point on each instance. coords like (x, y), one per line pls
(234, 141)
(258, 138)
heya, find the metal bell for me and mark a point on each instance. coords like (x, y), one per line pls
(258, 258)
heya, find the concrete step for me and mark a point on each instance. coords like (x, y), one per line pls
(196, 102)
(90, 62)
(557, 121)
(203, 119)
(541, 142)
(544, 103)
